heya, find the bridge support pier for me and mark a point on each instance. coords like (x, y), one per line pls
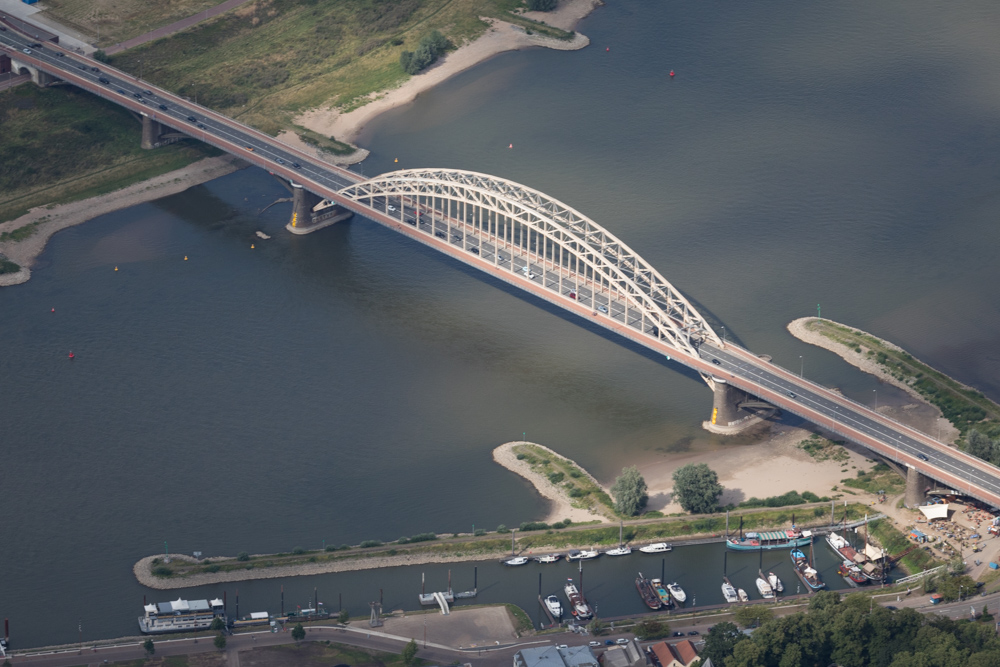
(306, 219)
(917, 485)
(728, 417)
(151, 131)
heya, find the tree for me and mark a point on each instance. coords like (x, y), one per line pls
(630, 492)
(217, 624)
(101, 56)
(597, 627)
(243, 556)
(343, 616)
(220, 641)
(148, 645)
(651, 629)
(541, 5)
(298, 632)
(697, 489)
(720, 642)
(410, 652)
(753, 615)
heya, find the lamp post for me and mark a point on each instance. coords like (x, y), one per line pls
(802, 366)
(876, 399)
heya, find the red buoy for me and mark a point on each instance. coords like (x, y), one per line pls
(671, 74)
(608, 49)
(72, 356)
(53, 310)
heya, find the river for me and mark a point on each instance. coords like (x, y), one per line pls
(351, 384)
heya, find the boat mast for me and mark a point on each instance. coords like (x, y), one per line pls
(512, 534)
(621, 528)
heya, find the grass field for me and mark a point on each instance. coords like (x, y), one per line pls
(117, 20)
(61, 144)
(268, 60)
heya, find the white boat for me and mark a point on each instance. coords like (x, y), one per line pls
(656, 548)
(729, 592)
(743, 595)
(578, 605)
(624, 550)
(676, 592)
(582, 555)
(554, 606)
(180, 616)
(776, 584)
(764, 588)
(549, 558)
(517, 560)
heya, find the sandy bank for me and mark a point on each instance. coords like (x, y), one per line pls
(66, 215)
(561, 507)
(500, 37)
(948, 433)
(771, 467)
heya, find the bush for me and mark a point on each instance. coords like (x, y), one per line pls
(423, 537)
(479, 532)
(428, 50)
(243, 556)
(298, 551)
(651, 629)
(220, 641)
(403, 540)
(213, 567)
(533, 525)
(577, 492)
(330, 547)
(101, 57)
(298, 632)
(7, 266)
(521, 457)
(556, 477)
(370, 543)
(162, 571)
(502, 529)
(343, 616)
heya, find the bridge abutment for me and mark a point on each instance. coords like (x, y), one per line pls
(307, 214)
(728, 417)
(917, 485)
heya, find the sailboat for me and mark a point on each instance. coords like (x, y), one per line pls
(622, 549)
(728, 591)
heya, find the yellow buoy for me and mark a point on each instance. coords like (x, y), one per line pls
(185, 258)
(116, 268)
(251, 246)
(396, 160)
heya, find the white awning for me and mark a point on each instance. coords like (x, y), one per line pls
(873, 552)
(259, 616)
(150, 608)
(179, 605)
(938, 511)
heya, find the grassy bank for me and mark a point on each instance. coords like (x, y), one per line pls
(896, 542)
(268, 60)
(497, 544)
(581, 488)
(61, 144)
(962, 406)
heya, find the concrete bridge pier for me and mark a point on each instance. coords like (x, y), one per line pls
(151, 131)
(917, 485)
(310, 212)
(728, 417)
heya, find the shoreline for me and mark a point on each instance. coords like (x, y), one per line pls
(500, 37)
(53, 219)
(861, 361)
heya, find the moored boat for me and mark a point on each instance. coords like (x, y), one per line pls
(585, 554)
(764, 588)
(661, 592)
(646, 592)
(578, 605)
(554, 606)
(623, 550)
(808, 575)
(516, 560)
(729, 592)
(180, 616)
(677, 592)
(742, 595)
(549, 558)
(775, 539)
(851, 573)
(656, 548)
(775, 582)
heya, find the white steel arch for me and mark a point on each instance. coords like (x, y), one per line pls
(512, 216)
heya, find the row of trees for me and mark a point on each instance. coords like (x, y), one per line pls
(981, 446)
(853, 632)
(696, 488)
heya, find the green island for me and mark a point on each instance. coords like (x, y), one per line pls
(966, 408)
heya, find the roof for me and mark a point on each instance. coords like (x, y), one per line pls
(937, 511)
(685, 651)
(663, 653)
(873, 552)
(550, 656)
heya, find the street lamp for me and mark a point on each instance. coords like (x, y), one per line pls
(802, 366)
(876, 399)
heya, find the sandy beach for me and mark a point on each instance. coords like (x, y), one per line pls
(920, 414)
(66, 215)
(560, 507)
(501, 36)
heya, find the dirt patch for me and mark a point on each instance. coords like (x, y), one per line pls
(316, 654)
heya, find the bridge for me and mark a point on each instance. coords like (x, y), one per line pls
(535, 243)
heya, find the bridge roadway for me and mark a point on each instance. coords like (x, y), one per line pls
(501, 253)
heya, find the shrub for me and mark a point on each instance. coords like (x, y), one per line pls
(533, 525)
(403, 540)
(7, 266)
(502, 529)
(556, 477)
(162, 571)
(343, 616)
(428, 50)
(423, 537)
(521, 457)
(214, 567)
(479, 532)
(370, 543)
(577, 492)
(298, 551)
(243, 556)
(330, 547)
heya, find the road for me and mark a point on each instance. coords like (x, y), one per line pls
(505, 251)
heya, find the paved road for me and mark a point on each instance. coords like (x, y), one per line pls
(501, 252)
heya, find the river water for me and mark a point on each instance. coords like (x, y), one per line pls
(351, 384)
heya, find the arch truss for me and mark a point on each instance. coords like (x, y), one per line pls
(533, 235)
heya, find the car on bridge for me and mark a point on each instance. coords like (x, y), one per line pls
(716, 362)
(163, 107)
(603, 309)
(104, 81)
(922, 456)
(192, 119)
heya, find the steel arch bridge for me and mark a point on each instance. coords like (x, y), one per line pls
(490, 215)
